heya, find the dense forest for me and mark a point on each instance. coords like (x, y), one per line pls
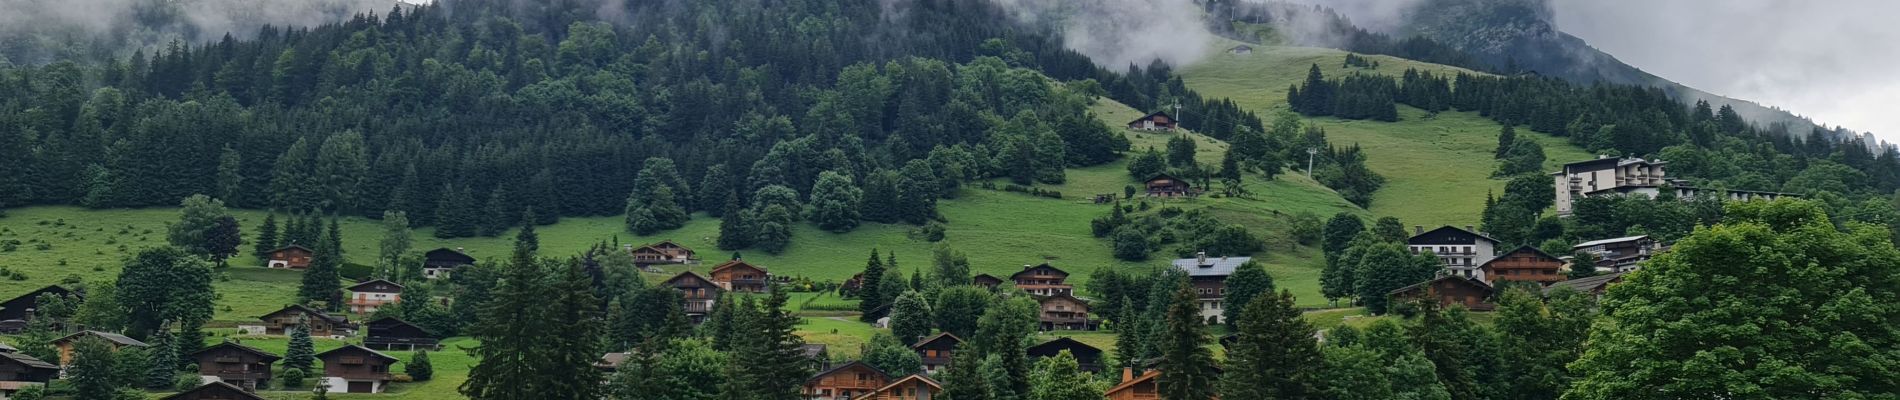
(468, 111)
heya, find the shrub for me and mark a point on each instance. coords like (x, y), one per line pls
(187, 382)
(293, 378)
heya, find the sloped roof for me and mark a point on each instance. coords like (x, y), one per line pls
(378, 354)
(735, 263)
(29, 361)
(954, 340)
(1461, 230)
(1222, 266)
(913, 377)
(1608, 241)
(307, 311)
(1586, 284)
(353, 287)
(1144, 377)
(689, 275)
(1151, 116)
(292, 246)
(35, 294)
(219, 386)
(812, 350)
(841, 367)
(115, 338)
(1059, 344)
(1471, 281)
(1540, 253)
(1026, 268)
(238, 347)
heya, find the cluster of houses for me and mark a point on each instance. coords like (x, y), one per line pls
(1475, 263)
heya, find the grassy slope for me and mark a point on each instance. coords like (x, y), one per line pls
(1435, 166)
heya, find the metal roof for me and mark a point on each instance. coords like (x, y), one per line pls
(1221, 266)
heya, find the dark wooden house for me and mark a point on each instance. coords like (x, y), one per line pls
(21, 308)
(289, 257)
(395, 334)
(321, 323)
(236, 364)
(740, 276)
(1042, 280)
(1089, 357)
(698, 292)
(986, 281)
(117, 341)
(356, 369)
(1155, 121)
(1164, 185)
(1063, 312)
(1448, 290)
(1525, 264)
(18, 370)
(845, 381)
(215, 391)
(937, 350)
(439, 263)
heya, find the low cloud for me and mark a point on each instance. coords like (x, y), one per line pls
(1118, 33)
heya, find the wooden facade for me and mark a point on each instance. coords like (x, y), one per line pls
(117, 341)
(937, 351)
(986, 281)
(369, 296)
(913, 387)
(356, 369)
(1164, 185)
(664, 252)
(215, 391)
(1063, 312)
(396, 334)
(18, 370)
(1448, 290)
(236, 364)
(1155, 121)
(321, 323)
(1042, 280)
(845, 382)
(698, 293)
(1136, 387)
(739, 276)
(1525, 264)
(290, 257)
(21, 308)
(439, 263)
(1088, 357)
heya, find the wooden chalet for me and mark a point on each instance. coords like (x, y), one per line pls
(611, 362)
(1042, 280)
(117, 341)
(739, 276)
(239, 365)
(846, 381)
(19, 310)
(1525, 264)
(1448, 290)
(936, 351)
(986, 281)
(368, 296)
(1594, 286)
(699, 294)
(19, 370)
(664, 252)
(1136, 387)
(1089, 357)
(913, 387)
(356, 369)
(215, 391)
(395, 334)
(321, 323)
(289, 257)
(1155, 121)
(1164, 185)
(853, 285)
(1063, 312)
(439, 263)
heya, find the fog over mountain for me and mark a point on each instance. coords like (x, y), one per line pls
(1831, 61)
(41, 31)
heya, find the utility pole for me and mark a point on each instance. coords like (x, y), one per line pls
(1310, 152)
(1177, 113)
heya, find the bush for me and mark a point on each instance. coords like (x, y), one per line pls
(419, 367)
(931, 232)
(187, 382)
(293, 378)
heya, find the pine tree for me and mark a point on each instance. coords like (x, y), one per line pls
(1187, 367)
(735, 228)
(266, 238)
(1275, 356)
(1001, 332)
(1129, 332)
(321, 282)
(511, 327)
(302, 354)
(870, 300)
(498, 213)
(768, 358)
(164, 369)
(964, 381)
(1507, 137)
(222, 241)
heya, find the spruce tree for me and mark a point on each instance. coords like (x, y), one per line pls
(1130, 330)
(735, 228)
(267, 238)
(302, 354)
(1001, 333)
(164, 369)
(1248, 281)
(419, 367)
(511, 326)
(1187, 367)
(1507, 137)
(322, 281)
(870, 300)
(1275, 355)
(964, 380)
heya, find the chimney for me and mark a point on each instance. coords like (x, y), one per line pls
(1418, 229)
(1128, 374)
(1200, 258)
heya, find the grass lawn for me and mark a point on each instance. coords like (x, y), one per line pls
(1436, 167)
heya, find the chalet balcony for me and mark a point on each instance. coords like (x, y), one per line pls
(368, 303)
(936, 360)
(699, 306)
(748, 282)
(241, 375)
(1065, 321)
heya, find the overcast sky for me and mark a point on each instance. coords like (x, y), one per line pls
(1837, 62)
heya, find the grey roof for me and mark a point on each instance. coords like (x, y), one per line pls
(1215, 266)
(1607, 241)
(29, 361)
(108, 336)
(1585, 284)
(812, 350)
